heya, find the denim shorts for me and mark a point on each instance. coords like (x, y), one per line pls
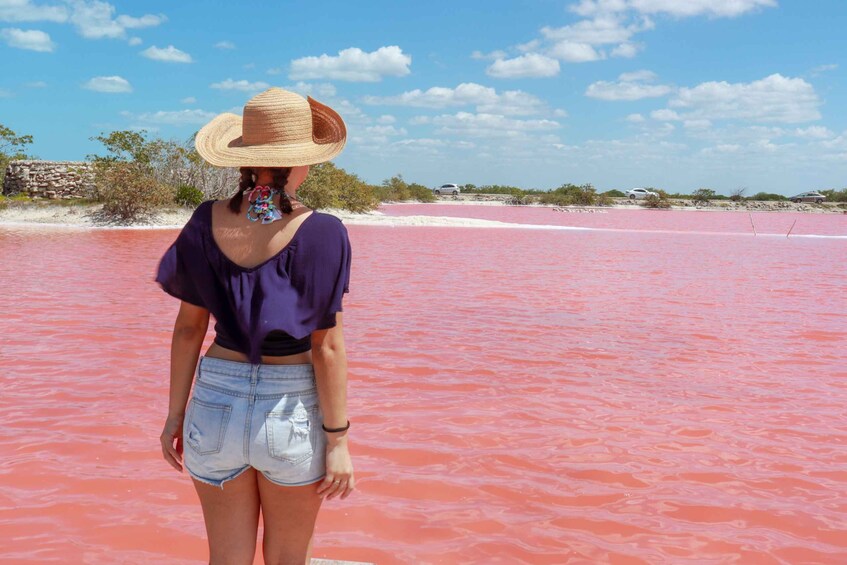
(264, 416)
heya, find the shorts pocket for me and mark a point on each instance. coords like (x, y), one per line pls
(206, 425)
(291, 432)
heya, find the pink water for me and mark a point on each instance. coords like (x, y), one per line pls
(657, 221)
(518, 396)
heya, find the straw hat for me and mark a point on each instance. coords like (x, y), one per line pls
(279, 129)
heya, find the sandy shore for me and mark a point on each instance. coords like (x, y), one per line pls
(46, 214)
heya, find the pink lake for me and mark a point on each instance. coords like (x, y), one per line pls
(667, 388)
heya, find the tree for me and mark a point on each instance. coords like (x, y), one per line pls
(11, 148)
(330, 186)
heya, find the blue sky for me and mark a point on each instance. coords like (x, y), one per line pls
(676, 94)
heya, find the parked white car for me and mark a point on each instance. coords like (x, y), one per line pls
(639, 193)
(446, 189)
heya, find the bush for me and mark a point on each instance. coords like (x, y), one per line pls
(187, 195)
(570, 194)
(833, 195)
(765, 196)
(397, 189)
(660, 201)
(702, 195)
(128, 191)
(737, 195)
(614, 193)
(421, 193)
(604, 199)
(329, 186)
(493, 189)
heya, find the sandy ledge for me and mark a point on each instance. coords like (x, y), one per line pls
(43, 215)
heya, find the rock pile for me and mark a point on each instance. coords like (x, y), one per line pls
(50, 179)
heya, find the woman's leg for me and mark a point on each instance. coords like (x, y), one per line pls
(289, 515)
(232, 518)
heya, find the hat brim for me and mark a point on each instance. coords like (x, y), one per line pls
(220, 143)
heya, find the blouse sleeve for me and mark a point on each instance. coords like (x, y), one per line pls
(337, 258)
(175, 273)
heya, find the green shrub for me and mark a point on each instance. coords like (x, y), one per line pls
(570, 194)
(128, 191)
(766, 196)
(329, 186)
(421, 193)
(833, 195)
(614, 193)
(660, 201)
(493, 189)
(394, 189)
(187, 195)
(604, 199)
(702, 195)
(737, 195)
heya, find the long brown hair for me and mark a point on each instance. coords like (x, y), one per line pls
(248, 182)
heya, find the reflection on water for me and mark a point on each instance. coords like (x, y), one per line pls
(516, 396)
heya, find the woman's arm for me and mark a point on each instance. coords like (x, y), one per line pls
(190, 328)
(330, 362)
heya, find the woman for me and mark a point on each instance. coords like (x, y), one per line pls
(267, 416)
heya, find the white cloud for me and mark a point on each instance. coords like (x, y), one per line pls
(581, 42)
(772, 99)
(602, 30)
(493, 56)
(676, 8)
(26, 11)
(531, 65)
(321, 89)
(274, 71)
(240, 85)
(129, 22)
(386, 119)
(133, 41)
(189, 100)
(814, 132)
(380, 133)
(824, 69)
(169, 54)
(636, 118)
(225, 45)
(610, 26)
(571, 52)
(664, 115)
(626, 50)
(94, 19)
(489, 125)
(173, 118)
(486, 99)
(630, 86)
(353, 65)
(110, 84)
(642, 75)
(31, 39)
(697, 124)
(36, 84)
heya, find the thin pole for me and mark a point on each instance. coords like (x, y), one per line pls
(791, 228)
(751, 222)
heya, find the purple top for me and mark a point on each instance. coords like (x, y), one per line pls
(298, 290)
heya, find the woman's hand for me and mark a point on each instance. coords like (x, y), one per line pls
(173, 431)
(339, 469)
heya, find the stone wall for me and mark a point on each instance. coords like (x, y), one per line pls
(50, 179)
